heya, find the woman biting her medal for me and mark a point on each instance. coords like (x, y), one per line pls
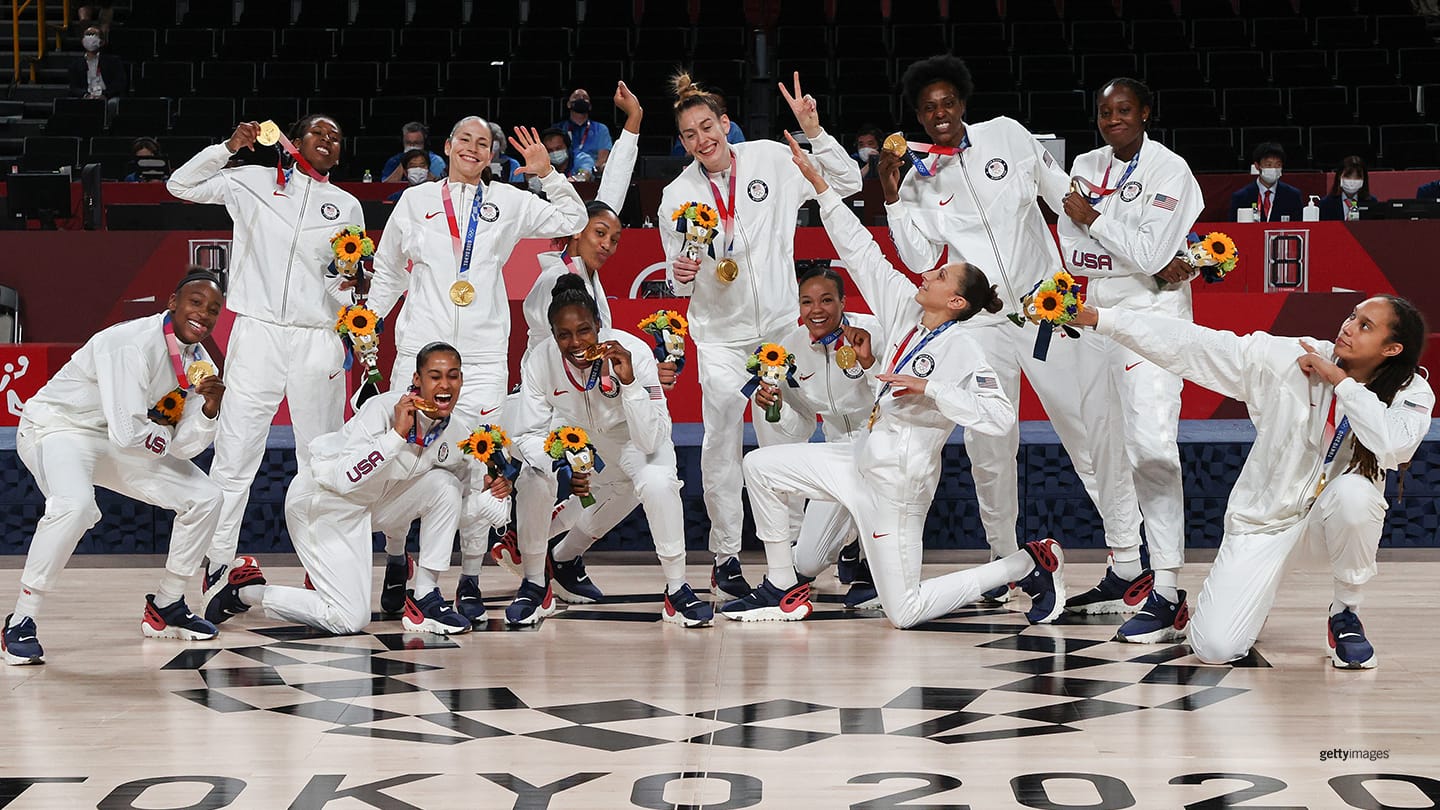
(283, 343)
(834, 362)
(739, 272)
(455, 235)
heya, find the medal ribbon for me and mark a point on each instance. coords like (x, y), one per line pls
(463, 252)
(304, 165)
(1097, 193)
(837, 337)
(579, 270)
(172, 343)
(899, 361)
(595, 369)
(430, 435)
(1336, 433)
(580, 141)
(726, 208)
(913, 150)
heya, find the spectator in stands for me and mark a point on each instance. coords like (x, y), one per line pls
(503, 168)
(1350, 188)
(585, 135)
(147, 164)
(1272, 200)
(1429, 191)
(573, 164)
(96, 74)
(417, 171)
(412, 136)
(867, 150)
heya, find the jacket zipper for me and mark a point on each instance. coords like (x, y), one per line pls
(980, 209)
(1318, 470)
(830, 393)
(295, 240)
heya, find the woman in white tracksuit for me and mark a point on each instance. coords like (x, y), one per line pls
(841, 393)
(617, 399)
(756, 190)
(980, 203)
(455, 236)
(283, 343)
(94, 423)
(1330, 420)
(935, 378)
(387, 463)
(1135, 203)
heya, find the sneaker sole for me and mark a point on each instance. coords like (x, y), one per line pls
(683, 621)
(1109, 606)
(508, 562)
(1058, 578)
(481, 618)
(1338, 663)
(1164, 635)
(573, 598)
(771, 614)
(429, 625)
(718, 593)
(178, 633)
(540, 614)
(21, 661)
(868, 604)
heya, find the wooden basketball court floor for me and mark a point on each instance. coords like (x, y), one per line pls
(605, 707)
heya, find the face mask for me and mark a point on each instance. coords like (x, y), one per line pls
(558, 158)
(866, 153)
(1350, 185)
(1270, 176)
(417, 175)
(580, 105)
(90, 42)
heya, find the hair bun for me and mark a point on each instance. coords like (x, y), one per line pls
(568, 282)
(683, 86)
(994, 304)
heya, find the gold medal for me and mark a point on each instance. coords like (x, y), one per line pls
(595, 352)
(846, 358)
(199, 371)
(896, 144)
(727, 270)
(874, 417)
(462, 293)
(269, 134)
(1320, 487)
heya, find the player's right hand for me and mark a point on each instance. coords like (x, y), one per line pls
(244, 137)
(685, 269)
(580, 484)
(405, 415)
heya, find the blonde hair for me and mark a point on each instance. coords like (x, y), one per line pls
(688, 94)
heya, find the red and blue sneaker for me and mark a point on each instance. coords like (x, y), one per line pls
(686, 609)
(1045, 584)
(392, 591)
(571, 583)
(432, 614)
(469, 602)
(849, 563)
(768, 603)
(1347, 645)
(1159, 622)
(727, 580)
(19, 643)
(174, 621)
(224, 602)
(862, 594)
(1113, 594)
(532, 603)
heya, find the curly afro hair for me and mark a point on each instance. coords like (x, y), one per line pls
(943, 68)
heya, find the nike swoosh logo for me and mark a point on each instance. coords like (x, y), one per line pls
(487, 413)
(335, 374)
(433, 215)
(1132, 365)
(558, 392)
(280, 194)
(947, 200)
(32, 638)
(877, 535)
(807, 376)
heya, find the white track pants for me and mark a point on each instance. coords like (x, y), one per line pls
(1344, 525)
(482, 401)
(264, 364)
(69, 464)
(891, 529)
(332, 536)
(1073, 387)
(827, 529)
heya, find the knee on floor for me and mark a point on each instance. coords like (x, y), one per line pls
(1218, 647)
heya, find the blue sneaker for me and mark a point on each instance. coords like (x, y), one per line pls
(726, 580)
(432, 614)
(223, 602)
(571, 583)
(392, 593)
(686, 609)
(1113, 594)
(20, 644)
(768, 603)
(1159, 622)
(848, 563)
(998, 595)
(1045, 584)
(175, 621)
(469, 602)
(532, 603)
(862, 594)
(1347, 645)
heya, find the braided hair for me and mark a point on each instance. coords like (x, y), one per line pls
(1394, 373)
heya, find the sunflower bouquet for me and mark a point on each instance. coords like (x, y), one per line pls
(1214, 255)
(699, 223)
(486, 444)
(770, 363)
(360, 329)
(169, 409)
(1055, 301)
(668, 329)
(572, 453)
(351, 246)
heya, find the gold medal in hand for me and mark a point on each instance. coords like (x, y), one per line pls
(269, 134)
(846, 358)
(896, 144)
(199, 371)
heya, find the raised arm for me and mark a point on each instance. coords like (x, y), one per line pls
(840, 170)
(564, 212)
(201, 179)
(620, 166)
(1224, 362)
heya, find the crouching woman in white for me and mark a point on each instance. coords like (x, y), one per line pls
(1330, 419)
(935, 378)
(108, 419)
(617, 399)
(391, 461)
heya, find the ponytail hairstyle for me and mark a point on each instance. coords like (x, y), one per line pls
(978, 292)
(569, 291)
(423, 356)
(496, 149)
(824, 271)
(1409, 330)
(688, 95)
(197, 273)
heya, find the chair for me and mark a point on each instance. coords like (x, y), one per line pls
(918, 41)
(1098, 68)
(1206, 9)
(599, 73)
(1385, 104)
(326, 14)
(366, 44)
(971, 39)
(1364, 66)
(283, 110)
(133, 44)
(447, 14)
(1058, 109)
(1159, 35)
(1089, 10)
(1206, 149)
(1038, 38)
(112, 153)
(425, 44)
(82, 117)
(1030, 11)
(1320, 105)
(234, 79)
(798, 42)
(864, 75)
(720, 43)
(411, 79)
(857, 110)
(1254, 106)
(178, 149)
(446, 111)
(474, 78)
(48, 153)
(662, 43)
(141, 116)
(551, 12)
(1280, 32)
(390, 113)
(278, 78)
(1409, 146)
(596, 42)
(493, 44)
(1292, 138)
(1099, 36)
(1344, 32)
(256, 44)
(1219, 34)
(1402, 31)
(306, 43)
(541, 78)
(172, 79)
(1298, 67)
(188, 44)
(1330, 144)
(1166, 71)
(204, 116)
(1049, 72)
(986, 105)
(348, 112)
(526, 111)
(1419, 65)
(992, 72)
(380, 14)
(1187, 108)
(1235, 69)
(270, 14)
(350, 78)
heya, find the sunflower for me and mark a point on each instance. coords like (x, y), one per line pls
(170, 408)
(481, 445)
(573, 438)
(678, 324)
(1049, 304)
(705, 216)
(497, 435)
(1218, 247)
(1063, 282)
(772, 354)
(682, 211)
(359, 321)
(348, 247)
(650, 323)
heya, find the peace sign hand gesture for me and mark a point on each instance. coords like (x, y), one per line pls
(803, 106)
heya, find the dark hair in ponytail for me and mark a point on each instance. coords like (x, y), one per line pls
(197, 273)
(977, 290)
(1409, 330)
(569, 291)
(437, 347)
(823, 271)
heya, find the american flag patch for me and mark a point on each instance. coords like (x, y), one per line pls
(1168, 203)
(986, 382)
(655, 392)
(1417, 407)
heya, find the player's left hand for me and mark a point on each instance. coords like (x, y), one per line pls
(620, 361)
(1079, 210)
(807, 114)
(1312, 363)
(213, 390)
(530, 147)
(859, 340)
(903, 385)
(807, 167)
(499, 486)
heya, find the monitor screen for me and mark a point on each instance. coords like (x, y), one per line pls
(38, 195)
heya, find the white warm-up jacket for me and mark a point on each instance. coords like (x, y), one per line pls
(419, 232)
(1277, 485)
(902, 453)
(768, 191)
(109, 386)
(981, 204)
(633, 414)
(281, 248)
(1141, 227)
(841, 398)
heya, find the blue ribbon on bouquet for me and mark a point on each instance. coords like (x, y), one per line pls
(563, 474)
